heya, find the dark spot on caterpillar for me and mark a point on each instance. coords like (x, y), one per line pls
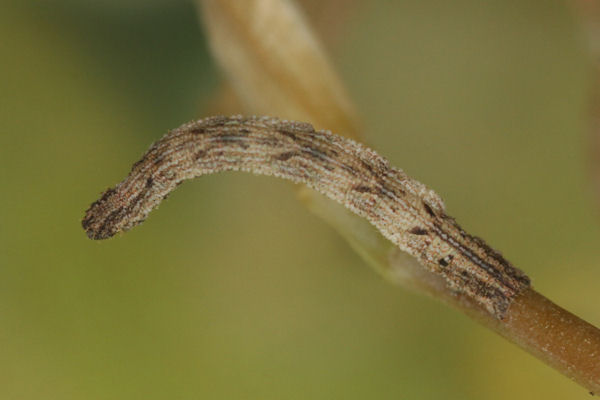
(418, 231)
(234, 140)
(316, 153)
(107, 228)
(444, 262)
(389, 192)
(362, 188)
(348, 169)
(158, 161)
(367, 166)
(271, 141)
(149, 182)
(288, 131)
(244, 131)
(200, 155)
(134, 202)
(319, 155)
(428, 209)
(285, 156)
(198, 130)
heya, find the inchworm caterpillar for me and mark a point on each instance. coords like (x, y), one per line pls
(405, 211)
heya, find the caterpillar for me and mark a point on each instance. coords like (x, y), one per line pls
(404, 210)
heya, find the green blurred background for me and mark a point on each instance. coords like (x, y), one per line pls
(233, 289)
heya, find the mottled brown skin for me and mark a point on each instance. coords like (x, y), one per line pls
(404, 210)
